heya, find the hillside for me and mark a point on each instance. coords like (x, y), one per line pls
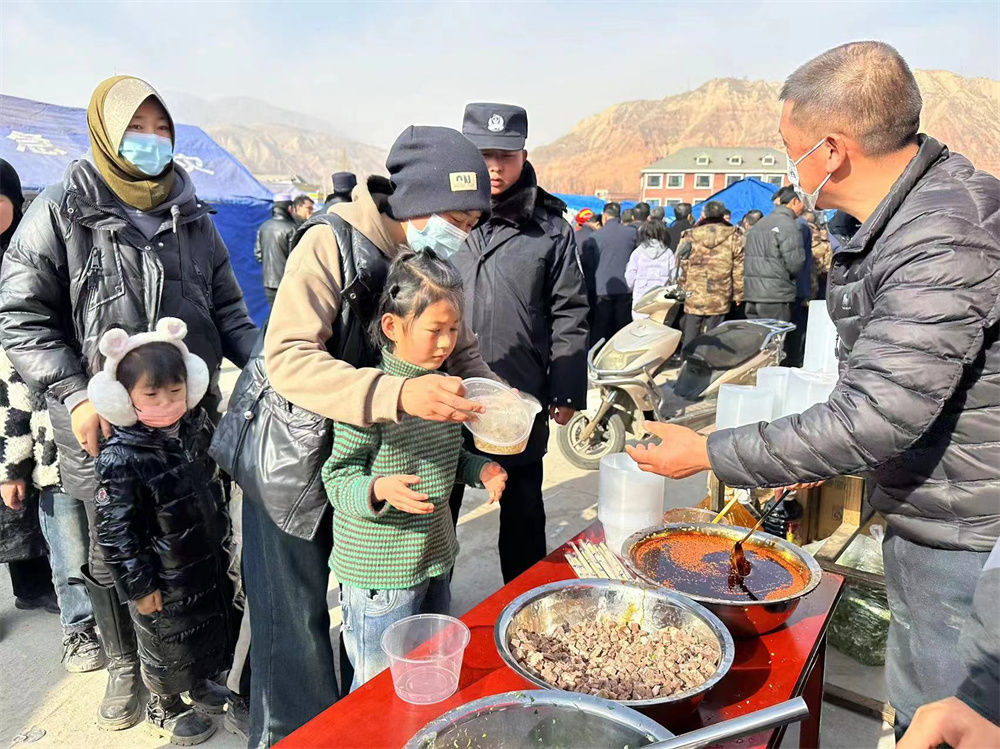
(608, 150)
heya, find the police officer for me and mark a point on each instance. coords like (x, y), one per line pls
(526, 301)
(343, 183)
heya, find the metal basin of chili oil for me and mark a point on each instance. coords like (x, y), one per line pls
(539, 719)
(693, 559)
(549, 606)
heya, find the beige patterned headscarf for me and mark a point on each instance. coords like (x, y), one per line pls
(111, 108)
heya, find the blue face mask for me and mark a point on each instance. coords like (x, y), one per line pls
(443, 238)
(150, 153)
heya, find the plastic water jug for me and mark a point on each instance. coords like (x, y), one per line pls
(628, 499)
(742, 404)
(775, 380)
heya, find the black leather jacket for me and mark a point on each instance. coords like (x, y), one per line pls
(274, 242)
(77, 266)
(915, 296)
(161, 524)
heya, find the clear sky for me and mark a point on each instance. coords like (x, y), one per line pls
(371, 68)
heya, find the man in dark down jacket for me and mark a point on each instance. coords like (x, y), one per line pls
(915, 296)
(526, 301)
(608, 251)
(682, 222)
(274, 240)
(775, 255)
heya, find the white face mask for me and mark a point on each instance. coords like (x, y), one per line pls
(808, 198)
(439, 235)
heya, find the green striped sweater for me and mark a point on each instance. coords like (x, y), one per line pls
(383, 548)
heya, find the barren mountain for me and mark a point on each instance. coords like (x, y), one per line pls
(608, 150)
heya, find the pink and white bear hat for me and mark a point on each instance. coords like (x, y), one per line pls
(110, 398)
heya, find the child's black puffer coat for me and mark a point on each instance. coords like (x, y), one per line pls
(161, 524)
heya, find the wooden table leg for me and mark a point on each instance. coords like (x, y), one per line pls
(813, 695)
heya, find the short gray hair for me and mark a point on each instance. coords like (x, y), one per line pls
(864, 89)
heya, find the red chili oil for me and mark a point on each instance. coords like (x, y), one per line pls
(698, 564)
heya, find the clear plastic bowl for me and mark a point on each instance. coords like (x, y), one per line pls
(425, 656)
(506, 426)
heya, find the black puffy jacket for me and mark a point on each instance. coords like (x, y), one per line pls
(161, 524)
(77, 267)
(274, 242)
(775, 254)
(915, 296)
(526, 299)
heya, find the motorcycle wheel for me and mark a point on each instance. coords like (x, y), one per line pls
(607, 439)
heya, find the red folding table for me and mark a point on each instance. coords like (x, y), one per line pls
(767, 670)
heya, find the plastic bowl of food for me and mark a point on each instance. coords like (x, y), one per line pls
(505, 427)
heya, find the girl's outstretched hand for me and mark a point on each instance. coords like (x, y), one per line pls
(396, 491)
(494, 478)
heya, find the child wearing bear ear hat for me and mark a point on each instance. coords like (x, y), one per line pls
(160, 520)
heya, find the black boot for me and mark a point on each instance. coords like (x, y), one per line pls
(177, 722)
(121, 707)
(208, 697)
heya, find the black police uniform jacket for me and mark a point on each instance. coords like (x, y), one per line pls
(526, 300)
(161, 526)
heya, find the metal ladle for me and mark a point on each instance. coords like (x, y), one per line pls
(739, 565)
(791, 711)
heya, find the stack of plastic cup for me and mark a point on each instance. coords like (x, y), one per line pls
(806, 389)
(775, 380)
(821, 340)
(628, 499)
(743, 404)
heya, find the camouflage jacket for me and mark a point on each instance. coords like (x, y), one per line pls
(822, 254)
(711, 268)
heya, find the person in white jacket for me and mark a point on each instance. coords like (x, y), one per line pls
(652, 263)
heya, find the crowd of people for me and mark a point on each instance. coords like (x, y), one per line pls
(118, 303)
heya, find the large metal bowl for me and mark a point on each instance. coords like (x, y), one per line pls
(743, 618)
(538, 719)
(572, 601)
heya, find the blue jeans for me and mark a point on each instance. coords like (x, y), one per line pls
(64, 525)
(930, 596)
(291, 658)
(368, 613)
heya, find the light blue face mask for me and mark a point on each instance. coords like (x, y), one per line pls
(150, 153)
(443, 238)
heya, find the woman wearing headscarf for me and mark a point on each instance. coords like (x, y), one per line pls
(121, 241)
(33, 504)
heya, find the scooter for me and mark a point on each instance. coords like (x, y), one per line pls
(636, 381)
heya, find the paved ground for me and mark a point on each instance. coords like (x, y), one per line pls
(48, 707)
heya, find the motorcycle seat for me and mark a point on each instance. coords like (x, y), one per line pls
(727, 345)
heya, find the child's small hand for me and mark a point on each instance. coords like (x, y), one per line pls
(148, 604)
(396, 491)
(494, 478)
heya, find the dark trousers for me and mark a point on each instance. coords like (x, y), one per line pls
(795, 342)
(522, 519)
(98, 569)
(769, 311)
(31, 578)
(611, 314)
(286, 580)
(930, 597)
(694, 325)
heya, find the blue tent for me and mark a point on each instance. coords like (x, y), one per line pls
(40, 140)
(742, 197)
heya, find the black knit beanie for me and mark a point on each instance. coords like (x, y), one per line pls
(10, 187)
(436, 170)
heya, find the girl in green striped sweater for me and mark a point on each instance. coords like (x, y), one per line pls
(394, 542)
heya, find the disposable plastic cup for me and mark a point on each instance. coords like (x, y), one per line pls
(821, 340)
(775, 379)
(806, 389)
(628, 498)
(425, 656)
(506, 426)
(742, 404)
